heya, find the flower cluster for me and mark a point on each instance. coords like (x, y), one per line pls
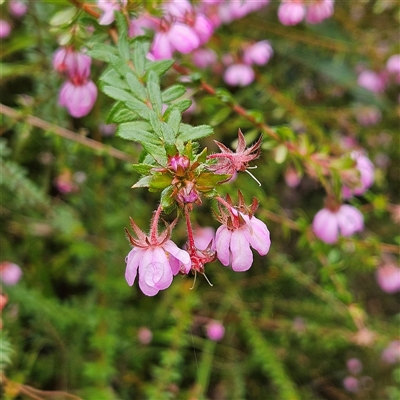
(78, 94)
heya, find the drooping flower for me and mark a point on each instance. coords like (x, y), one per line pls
(203, 237)
(366, 170)
(229, 162)
(109, 7)
(372, 81)
(351, 384)
(10, 273)
(391, 354)
(215, 331)
(291, 12)
(240, 231)
(17, 8)
(5, 29)
(78, 99)
(354, 365)
(204, 58)
(155, 257)
(258, 53)
(393, 66)
(319, 11)
(388, 277)
(239, 75)
(345, 220)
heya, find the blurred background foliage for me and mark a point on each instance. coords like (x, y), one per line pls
(72, 324)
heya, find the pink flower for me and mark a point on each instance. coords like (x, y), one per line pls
(73, 63)
(204, 58)
(145, 335)
(215, 331)
(239, 75)
(371, 81)
(203, 28)
(351, 384)
(203, 237)
(183, 38)
(139, 25)
(291, 12)
(155, 257)
(161, 48)
(5, 29)
(388, 278)
(78, 99)
(238, 233)
(393, 66)
(354, 365)
(319, 10)
(368, 116)
(109, 7)
(391, 354)
(17, 8)
(366, 170)
(329, 224)
(259, 53)
(10, 273)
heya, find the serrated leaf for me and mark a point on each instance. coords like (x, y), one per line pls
(112, 78)
(174, 120)
(157, 152)
(119, 94)
(129, 131)
(168, 134)
(154, 91)
(156, 124)
(139, 107)
(136, 87)
(142, 169)
(64, 17)
(119, 114)
(142, 182)
(207, 181)
(160, 181)
(123, 45)
(182, 105)
(172, 93)
(167, 201)
(188, 132)
(102, 52)
(159, 67)
(119, 65)
(140, 50)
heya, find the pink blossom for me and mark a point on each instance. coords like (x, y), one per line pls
(319, 10)
(203, 28)
(17, 8)
(178, 8)
(203, 237)
(155, 257)
(183, 38)
(204, 58)
(65, 183)
(238, 233)
(329, 224)
(393, 66)
(10, 273)
(388, 278)
(391, 354)
(138, 26)
(354, 365)
(75, 64)
(239, 75)
(366, 170)
(291, 12)
(145, 335)
(371, 81)
(109, 7)
(78, 99)
(258, 53)
(161, 48)
(5, 29)
(351, 384)
(215, 331)
(292, 177)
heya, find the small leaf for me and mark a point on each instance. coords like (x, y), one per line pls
(182, 105)
(112, 78)
(119, 94)
(123, 45)
(280, 154)
(129, 131)
(140, 50)
(119, 65)
(154, 91)
(172, 93)
(188, 132)
(168, 134)
(207, 181)
(167, 201)
(64, 17)
(120, 114)
(139, 107)
(142, 182)
(159, 67)
(142, 169)
(136, 87)
(157, 152)
(160, 181)
(102, 52)
(174, 120)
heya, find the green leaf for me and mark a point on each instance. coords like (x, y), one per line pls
(157, 152)
(140, 50)
(64, 17)
(207, 181)
(123, 45)
(119, 94)
(172, 93)
(142, 182)
(102, 52)
(142, 169)
(168, 134)
(112, 78)
(119, 65)
(120, 114)
(140, 108)
(182, 105)
(188, 132)
(160, 181)
(154, 91)
(167, 201)
(135, 86)
(159, 67)
(129, 131)
(174, 120)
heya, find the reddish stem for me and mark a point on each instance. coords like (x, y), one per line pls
(192, 246)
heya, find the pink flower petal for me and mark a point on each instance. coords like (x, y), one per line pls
(132, 264)
(242, 257)
(222, 244)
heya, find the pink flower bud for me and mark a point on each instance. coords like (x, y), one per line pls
(17, 8)
(215, 331)
(183, 38)
(391, 354)
(145, 335)
(354, 365)
(10, 273)
(5, 29)
(393, 66)
(319, 10)
(3, 301)
(78, 99)
(329, 224)
(239, 75)
(351, 384)
(259, 53)
(291, 12)
(178, 161)
(388, 278)
(371, 81)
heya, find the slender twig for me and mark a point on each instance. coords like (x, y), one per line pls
(65, 133)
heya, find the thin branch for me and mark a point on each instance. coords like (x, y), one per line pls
(65, 133)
